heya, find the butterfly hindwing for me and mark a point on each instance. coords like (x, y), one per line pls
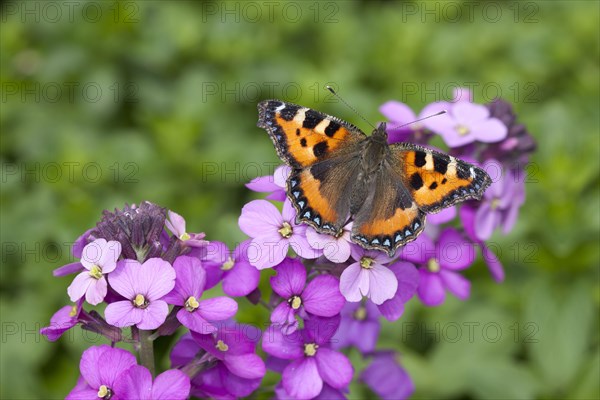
(321, 193)
(389, 217)
(437, 180)
(303, 136)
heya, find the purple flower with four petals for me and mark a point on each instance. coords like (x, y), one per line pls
(143, 285)
(101, 367)
(273, 233)
(99, 258)
(136, 383)
(320, 297)
(367, 276)
(196, 314)
(313, 362)
(440, 263)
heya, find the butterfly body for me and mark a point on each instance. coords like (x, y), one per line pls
(340, 174)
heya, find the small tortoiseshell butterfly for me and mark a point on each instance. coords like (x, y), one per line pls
(338, 173)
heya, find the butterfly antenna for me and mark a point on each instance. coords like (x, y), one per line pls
(418, 120)
(348, 105)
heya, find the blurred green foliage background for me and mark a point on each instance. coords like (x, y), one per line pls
(107, 103)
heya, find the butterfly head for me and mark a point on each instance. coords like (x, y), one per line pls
(380, 134)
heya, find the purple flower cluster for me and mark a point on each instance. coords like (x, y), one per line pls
(154, 283)
(326, 293)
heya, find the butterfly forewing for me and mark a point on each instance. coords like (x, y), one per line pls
(437, 180)
(303, 136)
(324, 154)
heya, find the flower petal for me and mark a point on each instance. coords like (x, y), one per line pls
(267, 251)
(122, 314)
(124, 279)
(301, 379)
(334, 367)
(490, 131)
(194, 322)
(290, 278)
(218, 308)
(456, 284)
(135, 383)
(155, 278)
(454, 251)
(287, 347)
(382, 284)
(322, 296)
(171, 385)
(259, 216)
(398, 112)
(430, 290)
(241, 280)
(96, 291)
(486, 220)
(247, 366)
(154, 315)
(354, 282)
(79, 286)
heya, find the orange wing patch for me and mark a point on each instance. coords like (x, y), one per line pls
(437, 180)
(387, 234)
(303, 136)
(311, 207)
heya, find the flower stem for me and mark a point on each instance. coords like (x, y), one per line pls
(146, 350)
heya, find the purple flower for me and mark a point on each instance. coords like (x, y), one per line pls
(239, 277)
(467, 216)
(501, 202)
(387, 378)
(99, 259)
(335, 248)
(519, 143)
(408, 281)
(63, 320)
(400, 114)
(464, 123)
(136, 383)
(274, 184)
(176, 225)
(273, 233)
(143, 285)
(234, 346)
(359, 327)
(313, 361)
(101, 367)
(195, 314)
(446, 215)
(440, 264)
(320, 297)
(367, 276)
(216, 381)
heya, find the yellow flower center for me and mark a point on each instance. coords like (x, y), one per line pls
(184, 236)
(433, 265)
(96, 272)
(495, 203)
(286, 230)
(140, 301)
(221, 345)
(310, 349)
(366, 262)
(104, 392)
(360, 314)
(462, 130)
(295, 302)
(191, 304)
(227, 265)
(73, 311)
